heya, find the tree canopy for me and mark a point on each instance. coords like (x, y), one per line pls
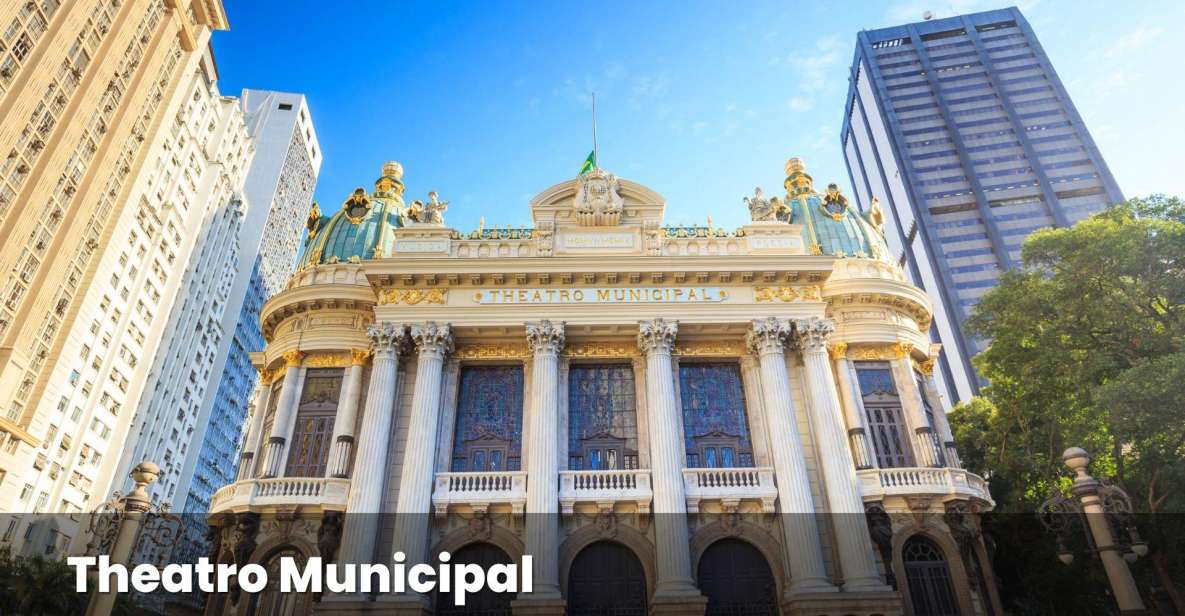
(1087, 348)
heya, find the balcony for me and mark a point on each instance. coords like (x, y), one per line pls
(282, 493)
(877, 483)
(480, 490)
(730, 486)
(605, 489)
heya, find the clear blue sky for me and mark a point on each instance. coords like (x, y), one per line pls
(488, 104)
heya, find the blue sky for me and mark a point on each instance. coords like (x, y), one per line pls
(488, 103)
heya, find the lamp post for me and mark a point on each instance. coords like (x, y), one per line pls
(1107, 511)
(120, 525)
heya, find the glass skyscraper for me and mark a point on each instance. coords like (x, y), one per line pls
(962, 131)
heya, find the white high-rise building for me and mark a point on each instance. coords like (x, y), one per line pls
(191, 178)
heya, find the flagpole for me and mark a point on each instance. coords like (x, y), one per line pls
(596, 160)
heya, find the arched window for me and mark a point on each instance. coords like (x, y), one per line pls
(882, 410)
(271, 601)
(603, 424)
(715, 425)
(928, 577)
(606, 579)
(489, 433)
(736, 579)
(486, 602)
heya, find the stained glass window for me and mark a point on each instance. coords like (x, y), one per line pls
(488, 434)
(883, 414)
(312, 436)
(715, 425)
(602, 419)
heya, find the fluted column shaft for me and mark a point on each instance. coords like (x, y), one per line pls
(374, 440)
(924, 445)
(347, 415)
(656, 339)
(856, 558)
(767, 338)
(545, 340)
(861, 448)
(285, 415)
(941, 423)
(251, 441)
(432, 342)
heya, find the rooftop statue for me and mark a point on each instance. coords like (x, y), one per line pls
(430, 213)
(766, 210)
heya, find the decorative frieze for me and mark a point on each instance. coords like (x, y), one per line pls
(327, 359)
(786, 294)
(726, 348)
(601, 349)
(881, 352)
(479, 352)
(412, 297)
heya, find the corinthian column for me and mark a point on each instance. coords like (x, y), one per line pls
(432, 342)
(656, 339)
(843, 490)
(347, 414)
(545, 339)
(767, 338)
(366, 486)
(285, 415)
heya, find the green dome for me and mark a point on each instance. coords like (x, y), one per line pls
(362, 228)
(830, 224)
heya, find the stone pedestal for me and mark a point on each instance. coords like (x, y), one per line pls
(683, 604)
(526, 606)
(883, 603)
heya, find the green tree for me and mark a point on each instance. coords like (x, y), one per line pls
(1088, 349)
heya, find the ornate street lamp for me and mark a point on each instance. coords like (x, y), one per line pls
(1105, 514)
(125, 525)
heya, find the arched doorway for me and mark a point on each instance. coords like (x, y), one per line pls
(272, 601)
(737, 581)
(486, 602)
(606, 579)
(930, 590)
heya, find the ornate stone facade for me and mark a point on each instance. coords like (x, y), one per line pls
(658, 404)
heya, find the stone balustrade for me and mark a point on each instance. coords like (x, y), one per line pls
(730, 486)
(877, 483)
(480, 490)
(605, 488)
(282, 492)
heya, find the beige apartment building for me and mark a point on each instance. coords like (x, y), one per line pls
(93, 94)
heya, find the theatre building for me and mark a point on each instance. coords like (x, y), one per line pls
(668, 419)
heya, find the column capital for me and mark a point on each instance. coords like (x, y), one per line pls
(358, 357)
(838, 350)
(545, 337)
(432, 338)
(293, 358)
(657, 336)
(768, 335)
(813, 334)
(386, 337)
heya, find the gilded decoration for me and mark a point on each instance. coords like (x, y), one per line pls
(601, 349)
(292, 358)
(473, 352)
(356, 206)
(412, 297)
(327, 359)
(358, 357)
(882, 352)
(788, 294)
(926, 367)
(839, 350)
(724, 348)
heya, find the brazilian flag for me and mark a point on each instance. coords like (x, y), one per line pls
(590, 163)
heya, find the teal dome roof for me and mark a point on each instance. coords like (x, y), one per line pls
(831, 225)
(361, 229)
